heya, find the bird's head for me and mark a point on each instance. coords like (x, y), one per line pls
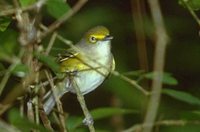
(97, 34)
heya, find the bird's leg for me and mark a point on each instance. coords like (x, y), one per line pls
(72, 74)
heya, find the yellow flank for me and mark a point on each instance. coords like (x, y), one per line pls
(72, 64)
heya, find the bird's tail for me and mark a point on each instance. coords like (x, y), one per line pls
(50, 97)
(49, 104)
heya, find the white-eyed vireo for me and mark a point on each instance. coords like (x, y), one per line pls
(86, 69)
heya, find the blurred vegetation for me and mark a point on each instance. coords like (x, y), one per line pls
(116, 105)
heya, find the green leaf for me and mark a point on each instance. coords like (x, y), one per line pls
(20, 70)
(23, 123)
(182, 96)
(100, 113)
(8, 45)
(167, 78)
(56, 8)
(73, 122)
(194, 4)
(25, 3)
(108, 112)
(48, 61)
(4, 23)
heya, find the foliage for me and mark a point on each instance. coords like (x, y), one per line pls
(182, 96)
(23, 123)
(57, 8)
(118, 105)
(4, 23)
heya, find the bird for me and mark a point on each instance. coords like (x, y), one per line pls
(85, 68)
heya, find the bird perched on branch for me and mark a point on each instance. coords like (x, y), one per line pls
(85, 67)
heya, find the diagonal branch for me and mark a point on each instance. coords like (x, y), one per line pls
(138, 127)
(65, 17)
(88, 118)
(194, 15)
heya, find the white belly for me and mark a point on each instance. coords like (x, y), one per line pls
(87, 82)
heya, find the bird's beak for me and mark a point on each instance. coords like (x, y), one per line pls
(108, 37)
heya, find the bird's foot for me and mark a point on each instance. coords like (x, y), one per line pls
(88, 121)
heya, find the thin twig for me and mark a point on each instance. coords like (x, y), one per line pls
(43, 116)
(50, 45)
(159, 58)
(21, 107)
(132, 82)
(117, 121)
(45, 120)
(36, 104)
(10, 69)
(191, 11)
(138, 11)
(138, 127)
(56, 119)
(6, 77)
(19, 90)
(58, 103)
(23, 9)
(62, 19)
(36, 99)
(88, 118)
(30, 113)
(18, 12)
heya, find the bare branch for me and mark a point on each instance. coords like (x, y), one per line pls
(88, 118)
(58, 103)
(50, 45)
(65, 17)
(30, 113)
(138, 11)
(138, 127)
(9, 70)
(45, 120)
(159, 58)
(194, 15)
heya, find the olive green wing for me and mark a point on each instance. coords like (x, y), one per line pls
(71, 61)
(70, 53)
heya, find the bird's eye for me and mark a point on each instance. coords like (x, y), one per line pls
(93, 39)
